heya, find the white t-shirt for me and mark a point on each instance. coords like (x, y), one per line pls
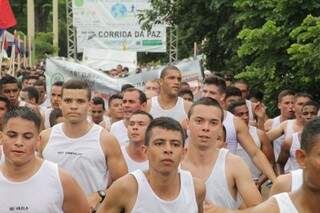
(120, 131)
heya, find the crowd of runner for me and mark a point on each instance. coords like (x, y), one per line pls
(167, 148)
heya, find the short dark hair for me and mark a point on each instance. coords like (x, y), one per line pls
(255, 93)
(54, 115)
(164, 123)
(141, 112)
(58, 83)
(8, 79)
(232, 91)
(40, 83)
(97, 101)
(311, 103)
(302, 94)
(6, 101)
(126, 86)
(236, 104)
(217, 81)
(25, 113)
(113, 97)
(142, 95)
(32, 93)
(309, 132)
(185, 91)
(207, 101)
(284, 93)
(165, 70)
(77, 84)
(241, 81)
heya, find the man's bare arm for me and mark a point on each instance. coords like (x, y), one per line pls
(275, 133)
(74, 199)
(115, 161)
(284, 155)
(243, 180)
(266, 146)
(257, 156)
(120, 195)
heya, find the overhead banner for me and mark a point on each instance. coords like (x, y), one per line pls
(130, 38)
(114, 24)
(62, 70)
(105, 59)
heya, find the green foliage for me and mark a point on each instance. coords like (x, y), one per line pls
(43, 44)
(43, 23)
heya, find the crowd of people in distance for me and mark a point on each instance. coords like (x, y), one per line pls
(166, 148)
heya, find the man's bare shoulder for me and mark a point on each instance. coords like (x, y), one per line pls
(45, 134)
(268, 124)
(267, 206)
(283, 184)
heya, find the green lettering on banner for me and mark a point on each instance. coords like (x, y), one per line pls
(151, 42)
(79, 3)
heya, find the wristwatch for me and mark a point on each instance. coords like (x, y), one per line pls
(102, 195)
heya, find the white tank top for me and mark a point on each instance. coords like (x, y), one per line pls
(244, 155)
(148, 201)
(231, 139)
(177, 112)
(217, 185)
(82, 157)
(289, 132)
(40, 193)
(277, 142)
(296, 179)
(284, 203)
(120, 131)
(251, 116)
(295, 145)
(132, 164)
(46, 113)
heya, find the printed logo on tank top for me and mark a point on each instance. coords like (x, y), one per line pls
(70, 153)
(18, 208)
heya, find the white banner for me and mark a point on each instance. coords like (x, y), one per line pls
(122, 38)
(110, 24)
(62, 70)
(105, 59)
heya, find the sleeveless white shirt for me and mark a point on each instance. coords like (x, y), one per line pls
(231, 139)
(284, 203)
(295, 145)
(277, 142)
(148, 201)
(40, 193)
(82, 157)
(296, 179)
(217, 184)
(251, 114)
(120, 131)
(244, 155)
(289, 132)
(177, 112)
(132, 164)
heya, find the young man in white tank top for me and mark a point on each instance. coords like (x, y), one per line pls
(87, 151)
(236, 130)
(306, 198)
(168, 103)
(27, 183)
(225, 174)
(134, 152)
(163, 188)
(286, 107)
(291, 144)
(288, 127)
(240, 109)
(133, 99)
